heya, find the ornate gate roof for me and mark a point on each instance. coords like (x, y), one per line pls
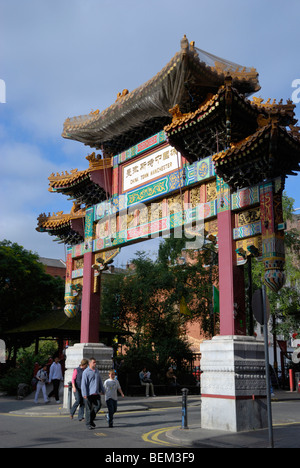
(185, 81)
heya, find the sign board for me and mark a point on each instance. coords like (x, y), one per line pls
(143, 170)
(258, 306)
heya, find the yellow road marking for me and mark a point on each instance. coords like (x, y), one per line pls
(153, 436)
(286, 424)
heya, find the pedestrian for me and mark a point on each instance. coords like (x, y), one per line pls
(172, 380)
(91, 389)
(76, 386)
(145, 380)
(112, 387)
(171, 377)
(55, 376)
(42, 379)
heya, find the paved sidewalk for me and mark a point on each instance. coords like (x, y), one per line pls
(124, 405)
(285, 435)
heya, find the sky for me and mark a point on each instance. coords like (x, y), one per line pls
(64, 58)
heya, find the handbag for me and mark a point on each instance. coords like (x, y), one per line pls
(146, 380)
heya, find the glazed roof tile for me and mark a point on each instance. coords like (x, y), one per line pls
(271, 152)
(66, 179)
(59, 219)
(144, 111)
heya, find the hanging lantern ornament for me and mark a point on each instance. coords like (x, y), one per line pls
(274, 275)
(71, 307)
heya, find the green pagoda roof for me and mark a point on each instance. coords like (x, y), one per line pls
(57, 325)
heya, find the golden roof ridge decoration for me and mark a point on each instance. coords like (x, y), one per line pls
(96, 162)
(64, 179)
(237, 147)
(211, 100)
(121, 95)
(218, 65)
(178, 118)
(268, 112)
(65, 175)
(60, 218)
(272, 106)
(273, 126)
(295, 131)
(239, 73)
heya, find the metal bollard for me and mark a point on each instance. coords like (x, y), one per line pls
(184, 420)
(69, 395)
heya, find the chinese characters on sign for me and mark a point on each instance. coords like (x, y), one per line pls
(150, 167)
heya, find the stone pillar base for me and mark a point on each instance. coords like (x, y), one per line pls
(103, 355)
(233, 384)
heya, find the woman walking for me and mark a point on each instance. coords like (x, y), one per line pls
(42, 378)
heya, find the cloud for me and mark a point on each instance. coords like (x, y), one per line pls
(24, 172)
(21, 229)
(24, 194)
(64, 58)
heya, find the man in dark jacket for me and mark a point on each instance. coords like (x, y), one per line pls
(91, 388)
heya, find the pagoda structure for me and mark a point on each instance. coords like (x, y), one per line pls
(187, 149)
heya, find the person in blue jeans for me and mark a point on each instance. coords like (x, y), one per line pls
(91, 389)
(112, 387)
(76, 386)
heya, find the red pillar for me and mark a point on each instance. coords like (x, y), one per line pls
(231, 280)
(90, 305)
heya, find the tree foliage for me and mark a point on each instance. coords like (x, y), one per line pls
(23, 372)
(285, 304)
(26, 291)
(158, 298)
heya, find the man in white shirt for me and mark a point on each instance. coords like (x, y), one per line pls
(55, 376)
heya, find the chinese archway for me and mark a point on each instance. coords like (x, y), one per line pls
(189, 149)
(189, 137)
